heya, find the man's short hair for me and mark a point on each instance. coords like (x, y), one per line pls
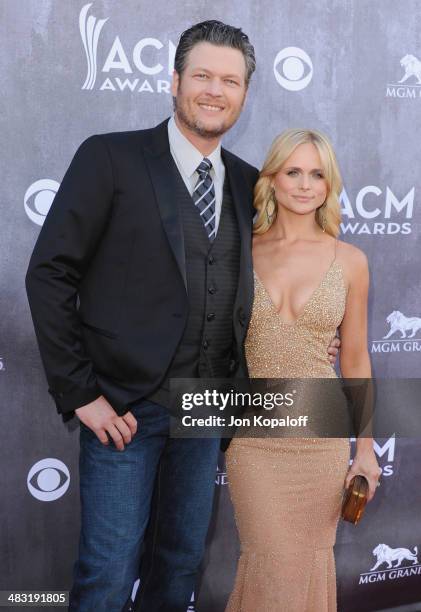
(216, 33)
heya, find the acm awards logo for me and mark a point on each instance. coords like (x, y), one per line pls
(48, 479)
(404, 335)
(293, 68)
(146, 58)
(409, 86)
(400, 563)
(377, 212)
(38, 199)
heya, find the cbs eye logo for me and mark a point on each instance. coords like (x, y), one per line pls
(48, 479)
(38, 199)
(290, 66)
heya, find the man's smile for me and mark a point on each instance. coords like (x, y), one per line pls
(211, 107)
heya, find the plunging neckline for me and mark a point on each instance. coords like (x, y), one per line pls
(306, 305)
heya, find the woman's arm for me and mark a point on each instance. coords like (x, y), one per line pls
(354, 357)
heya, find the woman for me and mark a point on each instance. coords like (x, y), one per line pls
(287, 492)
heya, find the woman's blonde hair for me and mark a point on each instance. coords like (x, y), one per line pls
(328, 216)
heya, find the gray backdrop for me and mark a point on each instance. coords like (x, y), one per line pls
(70, 69)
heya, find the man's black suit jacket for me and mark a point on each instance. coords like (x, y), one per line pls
(107, 280)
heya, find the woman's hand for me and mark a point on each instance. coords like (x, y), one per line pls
(365, 463)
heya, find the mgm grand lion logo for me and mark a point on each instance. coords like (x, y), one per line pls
(400, 563)
(400, 323)
(412, 67)
(388, 555)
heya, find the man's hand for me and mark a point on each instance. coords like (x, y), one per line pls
(101, 418)
(333, 349)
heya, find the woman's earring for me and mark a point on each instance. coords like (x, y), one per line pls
(322, 217)
(271, 206)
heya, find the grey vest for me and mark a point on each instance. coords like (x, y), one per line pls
(212, 271)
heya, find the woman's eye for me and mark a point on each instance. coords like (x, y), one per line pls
(292, 172)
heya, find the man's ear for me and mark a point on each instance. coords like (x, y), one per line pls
(175, 83)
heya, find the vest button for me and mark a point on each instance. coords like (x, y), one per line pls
(210, 316)
(211, 290)
(206, 344)
(211, 260)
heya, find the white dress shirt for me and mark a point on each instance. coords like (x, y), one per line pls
(188, 158)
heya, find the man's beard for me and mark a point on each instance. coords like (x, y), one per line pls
(198, 128)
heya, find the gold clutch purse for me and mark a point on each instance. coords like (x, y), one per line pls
(355, 499)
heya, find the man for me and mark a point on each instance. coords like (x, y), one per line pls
(142, 273)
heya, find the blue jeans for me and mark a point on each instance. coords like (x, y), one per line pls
(155, 494)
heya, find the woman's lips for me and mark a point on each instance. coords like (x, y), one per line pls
(303, 198)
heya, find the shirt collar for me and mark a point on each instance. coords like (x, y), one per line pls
(188, 157)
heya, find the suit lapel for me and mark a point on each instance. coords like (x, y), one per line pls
(164, 176)
(240, 194)
(242, 197)
(166, 181)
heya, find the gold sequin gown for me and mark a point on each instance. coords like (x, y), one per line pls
(287, 492)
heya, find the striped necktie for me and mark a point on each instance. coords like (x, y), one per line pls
(204, 197)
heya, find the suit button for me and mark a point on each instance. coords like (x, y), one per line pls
(233, 365)
(211, 260)
(205, 344)
(211, 290)
(210, 316)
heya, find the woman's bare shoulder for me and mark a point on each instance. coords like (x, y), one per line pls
(353, 260)
(350, 254)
